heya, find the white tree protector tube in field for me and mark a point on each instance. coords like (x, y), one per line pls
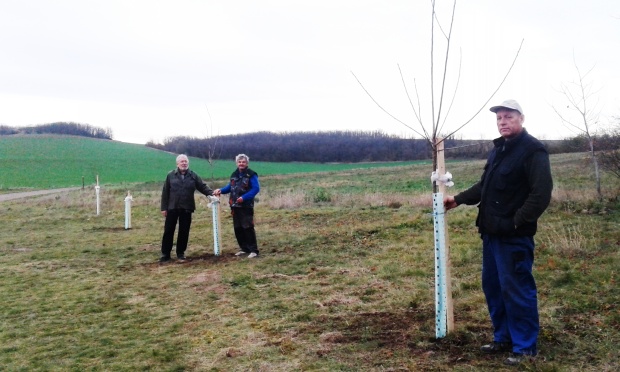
(128, 200)
(97, 194)
(215, 210)
(441, 296)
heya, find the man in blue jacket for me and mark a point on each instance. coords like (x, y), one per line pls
(243, 187)
(513, 192)
(178, 204)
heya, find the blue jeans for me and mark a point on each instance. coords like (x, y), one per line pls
(510, 290)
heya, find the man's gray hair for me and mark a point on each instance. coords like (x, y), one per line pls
(182, 156)
(242, 156)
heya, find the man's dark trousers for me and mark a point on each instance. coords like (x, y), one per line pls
(184, 218)
(243, 223)
(510, 290)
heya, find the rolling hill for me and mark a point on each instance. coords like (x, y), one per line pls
(53, 161)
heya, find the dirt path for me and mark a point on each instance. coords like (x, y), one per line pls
(19, 195)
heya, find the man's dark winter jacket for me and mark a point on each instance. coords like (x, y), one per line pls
(178, 191)
(515, 188)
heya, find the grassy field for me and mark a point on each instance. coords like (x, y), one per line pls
(46, 161)
(345, 280)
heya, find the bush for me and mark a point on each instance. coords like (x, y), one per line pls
(321, 195)
(610, 157)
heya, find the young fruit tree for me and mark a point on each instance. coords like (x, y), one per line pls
(581, 115)
(432, 129)
(213, 145)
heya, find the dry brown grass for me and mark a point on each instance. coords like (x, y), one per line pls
(345, 283)
(299, 199)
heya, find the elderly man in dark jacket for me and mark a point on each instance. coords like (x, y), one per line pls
(178, 204)
(513, 192)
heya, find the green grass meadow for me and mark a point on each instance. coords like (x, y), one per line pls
(344, 281)
(48, 161)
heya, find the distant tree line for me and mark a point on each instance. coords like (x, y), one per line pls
(64, 128)
(305, 146)
(321, 147)
(348, 146)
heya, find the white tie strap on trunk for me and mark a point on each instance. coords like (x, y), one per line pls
(446, 179)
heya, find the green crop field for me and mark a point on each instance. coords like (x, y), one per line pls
(344, 280)
(44, 162)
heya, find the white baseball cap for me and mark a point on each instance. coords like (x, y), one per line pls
(510, 104)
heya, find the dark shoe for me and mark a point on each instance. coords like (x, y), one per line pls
(181, 258)
(496, 347)
(164, 259)
(514, 359)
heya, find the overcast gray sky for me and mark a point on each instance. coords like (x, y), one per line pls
(152, 69)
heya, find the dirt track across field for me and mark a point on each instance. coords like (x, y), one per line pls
(19, 195)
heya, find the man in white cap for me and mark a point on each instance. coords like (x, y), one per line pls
(513, 192)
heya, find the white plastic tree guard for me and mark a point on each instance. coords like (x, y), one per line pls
(444, 308)
(128, 200)
(97, 194)
(441, 282)
(215, 210)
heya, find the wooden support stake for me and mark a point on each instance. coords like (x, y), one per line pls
(441, 168)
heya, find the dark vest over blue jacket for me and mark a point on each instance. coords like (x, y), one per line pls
(505, 187)
(239, 185)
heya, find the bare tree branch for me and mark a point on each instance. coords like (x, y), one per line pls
(433, 68)
(458, 79)
(438, 122)
(492, 94)
(445, 72)
(384, 110)
(418, 116)
(567, 123)
(439, 24)
(212, 144)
